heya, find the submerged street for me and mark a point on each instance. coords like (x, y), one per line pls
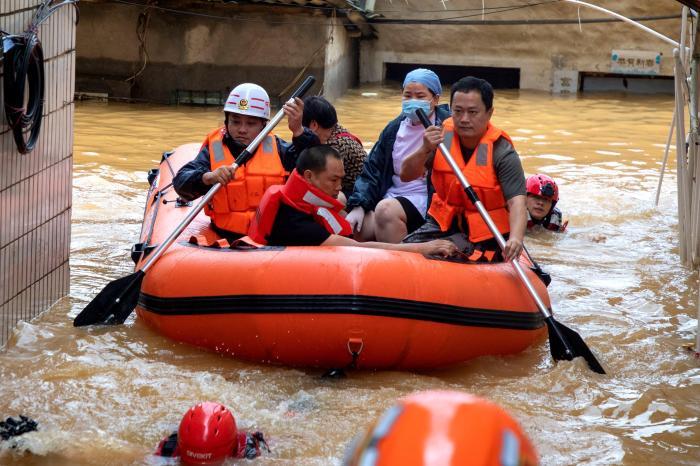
(107, 395)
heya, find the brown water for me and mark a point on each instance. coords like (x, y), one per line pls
(106, 396)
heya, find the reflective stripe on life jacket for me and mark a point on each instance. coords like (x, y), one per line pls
(233, 207)
(304, 197)
(450, 200)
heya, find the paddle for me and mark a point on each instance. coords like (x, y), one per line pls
(564, 343)
(116, 301)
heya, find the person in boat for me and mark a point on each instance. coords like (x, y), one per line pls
(486, 156)
(443, 428)
(382, 206)
(306, 211)
(208, 435)
(320, 126)
(246, 113)
(542, 197)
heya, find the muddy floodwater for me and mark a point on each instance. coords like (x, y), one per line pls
(107, 395)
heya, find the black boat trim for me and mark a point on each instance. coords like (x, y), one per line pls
(342, 304)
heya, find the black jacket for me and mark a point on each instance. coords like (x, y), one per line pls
(375, 179)
(188, 181)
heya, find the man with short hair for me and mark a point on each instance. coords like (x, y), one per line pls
(306, 211)
(246, 113)
(486, 156)
(320, 126)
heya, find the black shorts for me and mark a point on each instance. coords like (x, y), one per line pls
(413, 217)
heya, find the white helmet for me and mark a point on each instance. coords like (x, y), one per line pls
(248, 99)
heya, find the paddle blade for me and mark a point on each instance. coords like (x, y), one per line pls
(114, 303)
(565, 344)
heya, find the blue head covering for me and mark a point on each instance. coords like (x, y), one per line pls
(425, 77)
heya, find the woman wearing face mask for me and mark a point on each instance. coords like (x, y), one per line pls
(382, 207)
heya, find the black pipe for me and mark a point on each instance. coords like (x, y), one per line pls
(23, 65)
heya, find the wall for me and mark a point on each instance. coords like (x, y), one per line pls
(340, 68)
(205, 53)
(538, 50)
(35, 189)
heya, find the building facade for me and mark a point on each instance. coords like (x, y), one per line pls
(35, 188)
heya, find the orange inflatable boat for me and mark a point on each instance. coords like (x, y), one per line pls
(327, 307)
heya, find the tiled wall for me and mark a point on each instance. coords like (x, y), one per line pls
(35, 189)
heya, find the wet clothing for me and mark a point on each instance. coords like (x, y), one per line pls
(378, 170)
(553, 222)
(188, 181)
(248, 445)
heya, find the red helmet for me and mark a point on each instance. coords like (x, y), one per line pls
(447, 428)
(544, 186)
(207, 434)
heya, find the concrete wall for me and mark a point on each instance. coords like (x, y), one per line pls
(538, 50)
(205, 53)
(341, 59)
(35, 189)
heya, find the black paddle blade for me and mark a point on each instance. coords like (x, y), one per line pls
(114, 303)
(565, 344)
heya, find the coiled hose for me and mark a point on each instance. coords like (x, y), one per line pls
(23, 86)
(23, 77)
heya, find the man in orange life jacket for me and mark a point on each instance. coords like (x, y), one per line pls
(486, 156)
(246, 112)
(306, 211)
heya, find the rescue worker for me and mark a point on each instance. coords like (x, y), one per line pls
(208, 435)
(443, 428)
(542, 197)
(246, 113)
(486, 156)
(384, 206)
(320, 123)
(306, 211)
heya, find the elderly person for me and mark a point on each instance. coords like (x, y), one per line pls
(382, 207)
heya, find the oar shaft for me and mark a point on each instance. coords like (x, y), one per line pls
(487, 218)
(240, 160)
(492, 227)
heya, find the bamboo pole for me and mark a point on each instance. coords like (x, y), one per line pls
(663, 165)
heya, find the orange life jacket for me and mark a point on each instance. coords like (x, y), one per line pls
(304, 197)
(450, 200)
(233, 206)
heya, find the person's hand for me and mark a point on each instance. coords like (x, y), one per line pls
(514, 246)
(295, 112)
(438, 247)
(432, 137)
(223, 175)
(355, 218)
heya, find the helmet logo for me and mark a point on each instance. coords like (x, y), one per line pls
(243, 104)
